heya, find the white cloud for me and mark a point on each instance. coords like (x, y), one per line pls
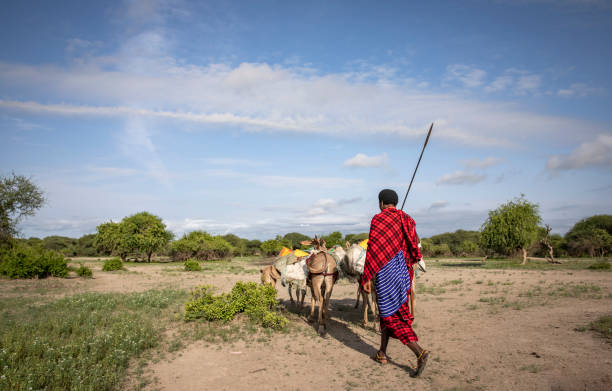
(528, 84)
(137, 144)
(114, 171)
(469, 76)
(438, 205)
(580, 90)
(461, 178)
(482, 163)
(516, 81)
(500, 83)
(589, 154)
(284, 181)
(362, 160)
(221, 161)
(259, 96)
(328, 205)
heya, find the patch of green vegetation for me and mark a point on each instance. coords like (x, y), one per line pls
(530, 368)
(84, 271)
(603, 326)
(430, 289)
(590, 291)
(112, 264)
(515, 263)
(257, 301)
(192, 265)
(492, 300)
(22, 261)
(81, 342)
(600, 265)
(452, 282)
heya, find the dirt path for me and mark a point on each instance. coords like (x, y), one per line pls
(488, 329)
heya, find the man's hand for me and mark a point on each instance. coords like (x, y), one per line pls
(367, 287)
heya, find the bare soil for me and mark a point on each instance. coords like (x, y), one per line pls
(487, 329)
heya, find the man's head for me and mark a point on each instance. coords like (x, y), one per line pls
(386, 198)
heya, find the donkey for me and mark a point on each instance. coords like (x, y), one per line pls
(355, 261)
(323, 274)
(293, 275)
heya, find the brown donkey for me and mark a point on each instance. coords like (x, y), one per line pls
(323, 274)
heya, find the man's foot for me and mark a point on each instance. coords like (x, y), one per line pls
(421, 362)
(380, 357)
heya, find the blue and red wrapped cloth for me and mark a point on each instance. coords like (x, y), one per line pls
(393, 248)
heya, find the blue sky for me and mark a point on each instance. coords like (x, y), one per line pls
(266, 117)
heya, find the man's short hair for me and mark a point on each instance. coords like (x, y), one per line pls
(387, 197)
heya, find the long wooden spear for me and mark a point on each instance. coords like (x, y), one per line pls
(412, 292)
(417, 166)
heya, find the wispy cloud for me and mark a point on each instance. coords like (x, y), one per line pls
(137, 144)
(595, 153)
(362, 160)
(482, 163)
(438, 205)
(467, 75)
(461, 178)
(221, 161)
(580, 90)
(259, 96)
(328, 205)
(284, 181)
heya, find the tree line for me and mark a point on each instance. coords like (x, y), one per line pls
(513, 227)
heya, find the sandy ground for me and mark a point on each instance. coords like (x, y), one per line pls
(487, 329)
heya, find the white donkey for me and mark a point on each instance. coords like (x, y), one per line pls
(290, 274)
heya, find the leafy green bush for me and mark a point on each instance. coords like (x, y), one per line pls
(271, 247)
(257, 301)
(22, 261)
(200, 245)
(84, 271)
(600, 265)
(191, 265)
(112, 264)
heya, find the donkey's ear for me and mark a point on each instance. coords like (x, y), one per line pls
(347, 245)
(306, 242)
(322, 243)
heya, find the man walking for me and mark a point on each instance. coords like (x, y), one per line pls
(393, 247)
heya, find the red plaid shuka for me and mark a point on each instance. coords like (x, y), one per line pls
(393, 230)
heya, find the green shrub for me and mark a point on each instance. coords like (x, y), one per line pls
(84, 271)
(600, 265)
(257, 301)
(603, 325)
(112, 264)
(191, 265)
(23, 261)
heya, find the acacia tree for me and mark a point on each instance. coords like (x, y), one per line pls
(591, 236)
(110, 239)
(146, 233)
(510, 227)
(19, 197)
(139, 233)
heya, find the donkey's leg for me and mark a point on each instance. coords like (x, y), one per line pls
(312, 301)
(366, 306)
(303, 291)
(358, 294)
(320, 299)
(328, 283)
(289, 285)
